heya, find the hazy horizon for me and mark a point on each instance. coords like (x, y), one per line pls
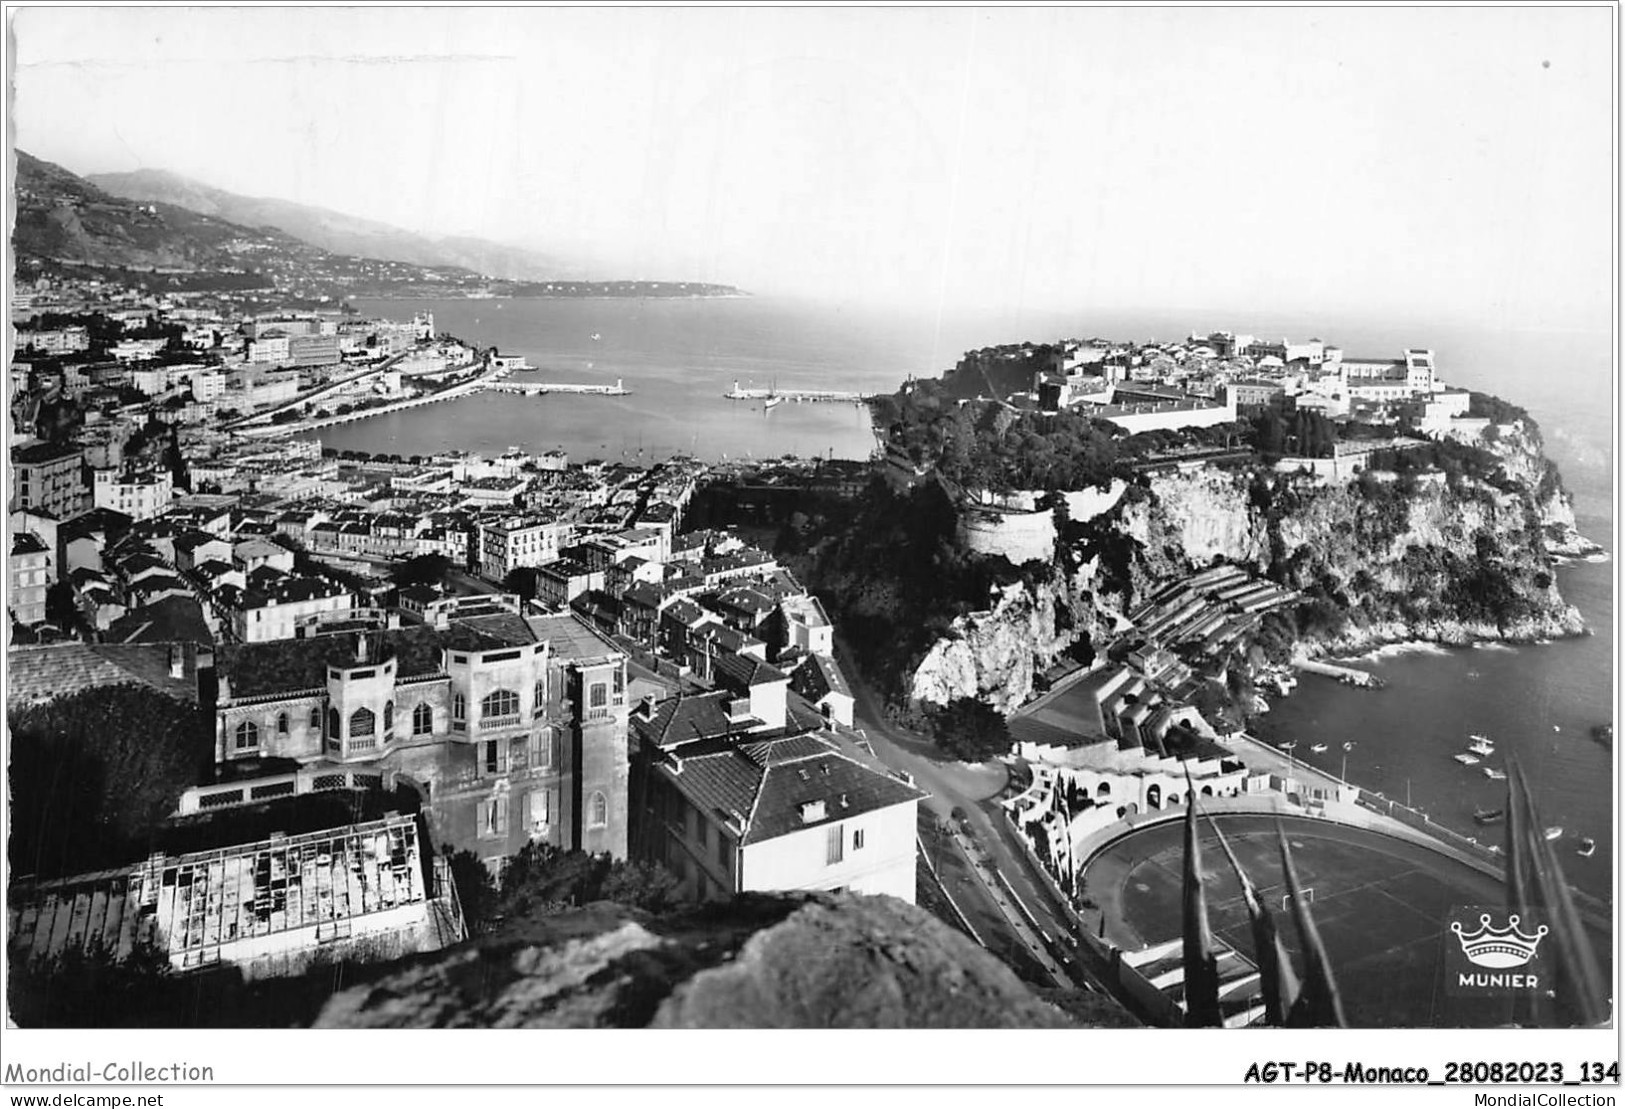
(1449, 164)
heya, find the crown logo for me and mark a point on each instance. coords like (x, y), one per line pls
(1498, 948)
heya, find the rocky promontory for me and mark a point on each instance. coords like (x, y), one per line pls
(813, 960)
(1454, 553)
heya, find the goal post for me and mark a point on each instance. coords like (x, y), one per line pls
(1308, 898)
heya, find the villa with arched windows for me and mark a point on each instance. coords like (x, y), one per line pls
(510, 728)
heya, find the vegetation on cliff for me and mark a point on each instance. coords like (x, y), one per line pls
(1443, 540)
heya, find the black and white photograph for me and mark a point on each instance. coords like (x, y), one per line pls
(1049, 519)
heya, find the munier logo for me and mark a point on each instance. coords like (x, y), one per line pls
(1498, 948)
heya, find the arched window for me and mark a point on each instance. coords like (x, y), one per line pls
(362, 722)
(502, 702)
(422, 719)
(1153, 796)
(389, 715)
(281, 723)
(598, 811)
(247, 735)
(332, 723)
(459, 707)
(539, 699)
(1104, 789)
(315, 718)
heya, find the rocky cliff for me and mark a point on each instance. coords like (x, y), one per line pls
(1452, 555)
(759, 961)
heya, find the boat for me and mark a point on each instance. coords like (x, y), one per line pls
(1465, 760)
(1287, 746)
(1495, 775)
(1318, 748)
(1587, 848)
(1554, 832)
(1349, 746)
(772, 402)
(1481, 746)
(595, 336)
(1488, 816)
(1603, 733)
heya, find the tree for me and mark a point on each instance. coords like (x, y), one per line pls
(521, 580)
(476, 891)
(545, 879)
(970, 730)
(94, 776)
(428, 569)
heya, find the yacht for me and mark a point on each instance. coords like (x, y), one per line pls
(1488, 816)
(1495, 775)
(1481, 746)
(772, 402)
(1587, 848)
(1465, 760)
(1554, 832)
(1318, 748)
(1287, 746)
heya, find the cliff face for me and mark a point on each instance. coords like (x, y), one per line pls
(1451, 559)
(759, 961)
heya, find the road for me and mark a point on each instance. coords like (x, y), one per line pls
(975, 790)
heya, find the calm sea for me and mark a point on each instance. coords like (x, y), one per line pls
(678, 357)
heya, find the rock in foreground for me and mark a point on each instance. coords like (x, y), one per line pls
(759, 961)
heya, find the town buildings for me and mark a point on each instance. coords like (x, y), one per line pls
(744, 789)
(28, 577)
(47, 477)
(512, 728)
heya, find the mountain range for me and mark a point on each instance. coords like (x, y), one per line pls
(335, 232)
(160, 231)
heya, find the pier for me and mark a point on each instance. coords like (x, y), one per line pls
(811, 396)
(1348, 675)
(533, 388)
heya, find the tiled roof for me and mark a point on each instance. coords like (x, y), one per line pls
(173, 619)
(287, 665)
(37, 674)
(743, 672)
(766, 783)
(686, 719)
(847, 788)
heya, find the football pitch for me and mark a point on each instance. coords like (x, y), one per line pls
(1381, 906)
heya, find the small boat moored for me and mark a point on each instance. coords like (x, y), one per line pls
(1287, 746)
(1554, 832)
(1587, 848)
(1318, 748)
(1488, 816)
(1465, 760)
(1495, 775)
(1481, 746)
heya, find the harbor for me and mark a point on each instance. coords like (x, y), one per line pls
(809, 396)
(1348, 675)
(536, 388)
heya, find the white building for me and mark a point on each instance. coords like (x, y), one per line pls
(785, 813)
(508, 544)
(208, 385)
(807, 626)
(270, 349)
(140, 495)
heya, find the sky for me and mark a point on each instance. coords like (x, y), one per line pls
(1448, 163)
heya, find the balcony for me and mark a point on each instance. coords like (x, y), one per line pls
(501, 723)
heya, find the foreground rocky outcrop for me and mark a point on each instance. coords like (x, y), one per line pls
(758, 961)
